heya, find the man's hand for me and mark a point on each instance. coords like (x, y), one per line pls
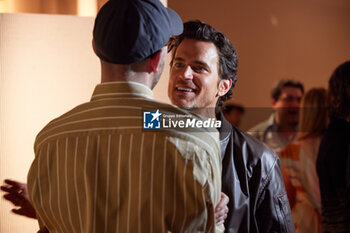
(17, 193)
(221, 210)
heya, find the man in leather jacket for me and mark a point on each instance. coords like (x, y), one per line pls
(251, 175)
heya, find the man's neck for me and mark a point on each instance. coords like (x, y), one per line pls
(115, 73)
(286, 130)
(118, 78)
(206, 112)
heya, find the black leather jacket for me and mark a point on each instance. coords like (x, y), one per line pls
(252, 179)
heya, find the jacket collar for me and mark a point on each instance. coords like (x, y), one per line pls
(226, 127)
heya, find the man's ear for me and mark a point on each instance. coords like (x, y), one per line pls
(224, 86)
(154, 62)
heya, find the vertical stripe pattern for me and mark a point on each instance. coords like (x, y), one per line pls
(96, 170)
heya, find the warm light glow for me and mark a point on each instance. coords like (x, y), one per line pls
(3, 6)
(47, 66)
(87, 7)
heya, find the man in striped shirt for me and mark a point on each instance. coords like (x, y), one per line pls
(97, 170)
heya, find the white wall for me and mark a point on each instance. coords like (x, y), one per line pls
(47, 66)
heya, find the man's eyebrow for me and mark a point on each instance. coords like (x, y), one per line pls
(196, 62)
(202, 64)
(179, 59)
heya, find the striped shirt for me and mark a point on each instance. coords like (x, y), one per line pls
(97, 170)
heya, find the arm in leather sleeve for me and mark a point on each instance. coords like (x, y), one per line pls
(273, 213)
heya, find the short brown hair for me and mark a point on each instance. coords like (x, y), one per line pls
(277, 90)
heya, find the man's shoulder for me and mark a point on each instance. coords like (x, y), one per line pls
(113, 114)
(255, 151)
(252, 142)
(201, 139)
(207, 135)
(260, 128)
(54, 126)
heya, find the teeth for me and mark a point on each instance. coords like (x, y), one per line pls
(184, 89)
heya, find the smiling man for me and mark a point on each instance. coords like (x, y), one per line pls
(202, 75)
(194, 82)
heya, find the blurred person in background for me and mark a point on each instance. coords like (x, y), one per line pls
(233, 113)
(299, 162)
(333, 163)
(280, 129)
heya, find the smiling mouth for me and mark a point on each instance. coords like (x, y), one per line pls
(184, 89)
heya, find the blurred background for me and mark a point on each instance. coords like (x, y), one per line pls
(45, 43)
(298, 39)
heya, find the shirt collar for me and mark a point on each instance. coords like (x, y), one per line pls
(272, 127)
(121, 89)
(271, 120)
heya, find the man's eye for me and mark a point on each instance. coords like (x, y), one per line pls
(199, 69)
(178, 65)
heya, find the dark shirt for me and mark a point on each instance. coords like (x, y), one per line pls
(333, 168)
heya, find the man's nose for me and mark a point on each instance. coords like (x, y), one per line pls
(295, 103)
(187, 73)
